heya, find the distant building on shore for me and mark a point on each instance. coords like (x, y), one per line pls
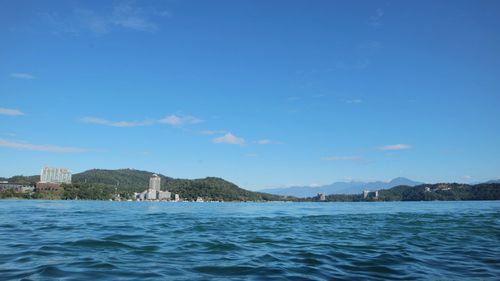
(4, 185)
(370, 194)
(55, 175)
(321, 197)
(154, 192)
(155, 182)
(52, 178)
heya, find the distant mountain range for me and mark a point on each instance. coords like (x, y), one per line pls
(493, 181)
(352, 187)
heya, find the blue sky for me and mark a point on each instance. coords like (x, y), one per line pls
(261, 93)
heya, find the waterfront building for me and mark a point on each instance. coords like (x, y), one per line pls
(4, 185)
(153, 192)
(55, 175)
(370, 194)
(52, 178)
(321, 197)
(177, 198)
(164, 195)
(155, 182)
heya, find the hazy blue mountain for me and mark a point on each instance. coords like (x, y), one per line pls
(493, 181)
(339, 188)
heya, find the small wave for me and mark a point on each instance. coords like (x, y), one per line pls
(93, 243)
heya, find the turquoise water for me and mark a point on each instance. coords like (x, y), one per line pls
(77, 240)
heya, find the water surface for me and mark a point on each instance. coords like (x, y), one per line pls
(92, 240)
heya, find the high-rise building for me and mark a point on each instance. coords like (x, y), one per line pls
(55, 175)
(154, 192)
(155, 182)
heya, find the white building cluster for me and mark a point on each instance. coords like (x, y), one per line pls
(55, 175)
(370, 194)
(154, 192)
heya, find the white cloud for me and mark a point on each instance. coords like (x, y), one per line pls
(266, 141)
(293, 98)
(212, 132)
(395, 147)
(88, 19)
(229, 138)
(20, 75)
(37, 147)
(10, 111)
(127, 16)
(342, 158)
(179, 121)
(100, 121)
(124, 15)
(354, 101)
(376, 20)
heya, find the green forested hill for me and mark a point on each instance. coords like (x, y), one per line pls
(124, 179)
(442, 191)
(102, 184)
(430, 192)
(130, 180)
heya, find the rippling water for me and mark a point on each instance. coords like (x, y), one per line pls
(75, 240)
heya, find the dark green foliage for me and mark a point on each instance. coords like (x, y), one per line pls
(104, 184)
(129, 180)
(443, 192)
(124, 179)
(87, 191)
(10, 193)
(25, 180)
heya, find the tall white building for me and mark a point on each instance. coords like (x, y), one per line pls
(155, 182)
(154, 192)
(55, 175)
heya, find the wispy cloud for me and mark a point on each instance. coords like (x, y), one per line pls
(10, 111)
(212, 132)
(101, 121)
(293, 98)
(38, 147)
(127, 16)
(318, 96)
(376, 19)
(394, 147)
(229, 138)
(123, 15)
(179, 121)
(354, 101)
(342, 158)
(266, 141)
(22, 75)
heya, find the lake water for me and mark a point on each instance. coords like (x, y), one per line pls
(92, 240)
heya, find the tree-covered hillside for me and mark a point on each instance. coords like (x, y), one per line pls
(130, 180)
(428, 192)
(124, 179)
(99, 184)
